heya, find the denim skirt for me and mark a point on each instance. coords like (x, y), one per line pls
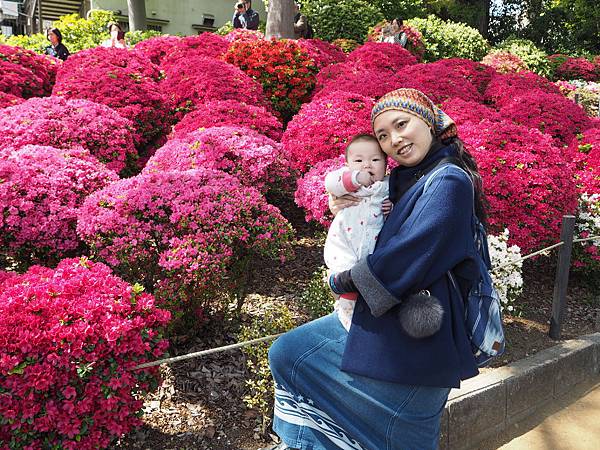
(318, 406)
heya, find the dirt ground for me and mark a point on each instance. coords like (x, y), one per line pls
(199, 405)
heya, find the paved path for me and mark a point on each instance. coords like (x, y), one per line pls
(572, 424)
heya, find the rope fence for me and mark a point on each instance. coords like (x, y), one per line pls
(274, 336)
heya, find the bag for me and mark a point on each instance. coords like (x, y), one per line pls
(483, 314)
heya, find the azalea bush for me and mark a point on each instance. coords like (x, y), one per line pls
(323, 128)
(41, 191)
(585, 151)
(210, 45)
(311, 194)
(136, 36)
(508, 279)
(255, 159)
(125, 81)
(63, 123)
(285, 70)
(504, 62)
(230, 113)
(157, 48)
(504, 87)
(7, 100)
(346, 45)
(71, 339)
(382, 56)
(241, 34)
(323, 53)
(188, 236)
(576, 69)
(462, 111)
(24, 73)
(190, 82)
(586, 254)
(533, 57)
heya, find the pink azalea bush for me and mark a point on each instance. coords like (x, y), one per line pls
(552, 114)
(323, 53)
(209, 45)
(125, 81)
(229, 112)
(323, 127)
(527, 180)
(311, 195)
(184, 235)
(63, 123)
(191, 82)
(253, 158)
(71, 338)
(157, 48)
(585, 149)
(240, 34)
(462, 111)
(382, 56)
(41, 192)
(504, 62)
(352, 78)
(25, 73)
(570, 68)
(503, 87)
(7, 100)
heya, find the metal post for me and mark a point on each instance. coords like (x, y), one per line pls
(559, 302)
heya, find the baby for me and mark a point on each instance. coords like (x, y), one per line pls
(353, 232)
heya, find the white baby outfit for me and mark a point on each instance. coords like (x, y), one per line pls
(354, 230)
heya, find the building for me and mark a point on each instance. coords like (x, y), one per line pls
(183, 17)
(9, 18)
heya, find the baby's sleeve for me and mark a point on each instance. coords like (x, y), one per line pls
(342, 181)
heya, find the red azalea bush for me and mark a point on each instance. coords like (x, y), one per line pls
(475, 73)
(323, 127)
(352, 78)
(323, 53)
(25, 73)
(63, 123)
(552, 114)
(7, 100)
(253, 158)
(185, 235)
(576, 69)
(528, 182)
(503, 87)
(382, 56)
(284, 68)
(41, 191)
(210, 45)
(70, 340)
(123, 80)
(229, 112)
(191, 82)
(157, 48)
(311, 194)
(585, 149)
(504, 62)
(241, 34)
(462, 111)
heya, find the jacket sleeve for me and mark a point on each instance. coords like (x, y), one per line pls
(300, 25)
(341, 182)
(252, 21)
(434, 238)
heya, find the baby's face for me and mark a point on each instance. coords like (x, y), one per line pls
(367, 155)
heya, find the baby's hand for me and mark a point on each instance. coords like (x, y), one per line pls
(386, 206)
(364, 178)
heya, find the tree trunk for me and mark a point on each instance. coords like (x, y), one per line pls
(484, 19)
(280, 19)
(137, 14)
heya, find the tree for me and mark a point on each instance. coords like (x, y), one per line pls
(280, 19)
(137, 14)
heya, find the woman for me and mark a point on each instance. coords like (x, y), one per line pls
(56, 47)
(117, 36)
(376, 387)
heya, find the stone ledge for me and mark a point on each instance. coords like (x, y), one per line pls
(485, 406)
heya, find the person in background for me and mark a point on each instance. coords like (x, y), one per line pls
(117, 36)
(393, 33)
(56, 47)
(302, 29)
(251, 16)
(239, 20)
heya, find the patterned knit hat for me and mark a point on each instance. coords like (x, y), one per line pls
(415, 102)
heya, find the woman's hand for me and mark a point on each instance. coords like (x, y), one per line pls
(386, 206)
(336, 204)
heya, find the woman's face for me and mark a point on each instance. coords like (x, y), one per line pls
(114, 31)
(404, 137)
(53, 38)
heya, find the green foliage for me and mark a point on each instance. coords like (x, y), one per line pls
(79, 33)
(36, 42)
(400, 8)
(534, 58)
(347, 45)
(444, 39)
(275, 319)
(349, 19)
(225, 29)
(317, 297)
(133, 37)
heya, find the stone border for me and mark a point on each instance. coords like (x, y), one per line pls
(487, 405)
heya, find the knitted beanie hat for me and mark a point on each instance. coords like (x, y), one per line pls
(415, 102)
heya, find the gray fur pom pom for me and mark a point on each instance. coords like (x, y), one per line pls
(421, 315)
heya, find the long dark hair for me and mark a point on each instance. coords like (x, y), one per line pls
(469, 165)
(57, 32)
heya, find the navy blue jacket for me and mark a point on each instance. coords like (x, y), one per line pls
(426, 234)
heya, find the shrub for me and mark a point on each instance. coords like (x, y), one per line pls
(588, 99)
(351, 77)
(62, 123)
(284, 68)
(504, 62)
(462, 111)
(585, 149)
(35, 42)
(239, 34)
(445, 39)
(187, 236)
(535, 59)
(552, 114)
(381, 56)
(334, 19)
(346, 45)
(527, 181)
(137, 36)
(504, 87)
(209, 45)
(311, 195)
(586, 254)
(71, 338)
(41, 191)
(508, 280)
(253, 158)
(577, 69)
(317, 297)
(323, 53)
(193, 81)
(80, 34)
(24, 73)
(324, 126)
(7, 100)
(157, 48)
(229, 113)
(125, 81)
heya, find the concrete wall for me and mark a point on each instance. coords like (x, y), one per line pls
(182, 14)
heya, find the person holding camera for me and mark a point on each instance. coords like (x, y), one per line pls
(244, 16)
(117, 36)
